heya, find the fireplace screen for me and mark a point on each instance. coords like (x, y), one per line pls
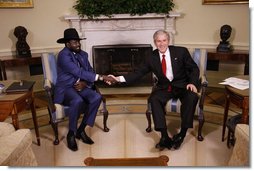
(120, 60)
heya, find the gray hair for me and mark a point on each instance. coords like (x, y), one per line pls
(160, 32)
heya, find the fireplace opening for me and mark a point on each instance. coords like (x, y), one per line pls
(121, 59)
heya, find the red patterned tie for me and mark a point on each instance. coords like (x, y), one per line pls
(164, 69)
(163, 64)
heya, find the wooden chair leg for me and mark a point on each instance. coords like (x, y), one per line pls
(105, 115)
(201, 121)
(148, 117)
(54, 126)
(225, 118)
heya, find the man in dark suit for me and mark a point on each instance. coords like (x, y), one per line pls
(178, 76)
(74, 87)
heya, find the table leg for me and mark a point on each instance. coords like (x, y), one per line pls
(225, 117)
(3, 71)
(1, 77)
(245, 114)
(15, 120)
(35, 122)
(245, 118)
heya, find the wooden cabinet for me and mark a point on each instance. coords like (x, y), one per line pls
(13, 61)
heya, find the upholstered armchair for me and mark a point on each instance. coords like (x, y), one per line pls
(241, 151)
(58, 112)
(173, 105)
(15, 146)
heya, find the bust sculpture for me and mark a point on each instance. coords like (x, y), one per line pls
(22, 48)
(224, 45)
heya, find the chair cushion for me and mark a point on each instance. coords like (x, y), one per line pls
(174, 105)
(60, 112)
(6, 129)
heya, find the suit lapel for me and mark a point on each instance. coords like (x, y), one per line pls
(173, 57)
(157, 63)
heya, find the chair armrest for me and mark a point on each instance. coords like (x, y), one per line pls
(17, 149)
(202, 90)
(204, 81)
(47, 85)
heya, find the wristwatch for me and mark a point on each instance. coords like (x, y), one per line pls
(100, 77)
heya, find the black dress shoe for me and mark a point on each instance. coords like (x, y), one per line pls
(177, 141)
(164, 143)
(84, 137)
(71, 142)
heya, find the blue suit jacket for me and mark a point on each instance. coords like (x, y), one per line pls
(68, 72)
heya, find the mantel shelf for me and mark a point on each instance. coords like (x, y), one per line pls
(125, 16)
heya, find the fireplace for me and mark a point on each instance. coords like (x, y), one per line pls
(120, 60)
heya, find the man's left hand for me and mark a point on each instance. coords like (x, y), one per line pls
(80, 85)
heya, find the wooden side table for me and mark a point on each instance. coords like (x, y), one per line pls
(238, 97)
(146, 161)
(235, 55)
(12, 104)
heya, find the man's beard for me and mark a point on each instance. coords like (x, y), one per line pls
(76, 50)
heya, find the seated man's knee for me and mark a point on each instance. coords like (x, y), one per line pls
(153, 99)
(192, 96)
(97, 97)
(77, 102)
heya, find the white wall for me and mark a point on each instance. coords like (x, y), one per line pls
(198, 27)
(199, 24)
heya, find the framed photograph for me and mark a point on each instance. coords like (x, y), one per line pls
(224, 2)
(16, 3)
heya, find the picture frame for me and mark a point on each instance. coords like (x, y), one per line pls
(16, 3)
(224, 2)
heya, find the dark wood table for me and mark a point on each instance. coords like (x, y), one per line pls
(13, 103)
(145, 161)
(14, 61)
(238, 97)
(235, 55)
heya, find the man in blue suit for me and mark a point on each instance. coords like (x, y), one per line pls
(74, 87)
(177, 77)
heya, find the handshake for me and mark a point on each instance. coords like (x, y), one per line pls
(109, 79)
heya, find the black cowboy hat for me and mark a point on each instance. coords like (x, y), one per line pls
(69, 34)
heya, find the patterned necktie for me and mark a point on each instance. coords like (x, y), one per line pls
(77, 61)
(76, 57)
(163, 64)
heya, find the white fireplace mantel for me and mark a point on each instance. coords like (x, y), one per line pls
(122, 29)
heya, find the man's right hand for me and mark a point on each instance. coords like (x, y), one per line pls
(110, 79)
